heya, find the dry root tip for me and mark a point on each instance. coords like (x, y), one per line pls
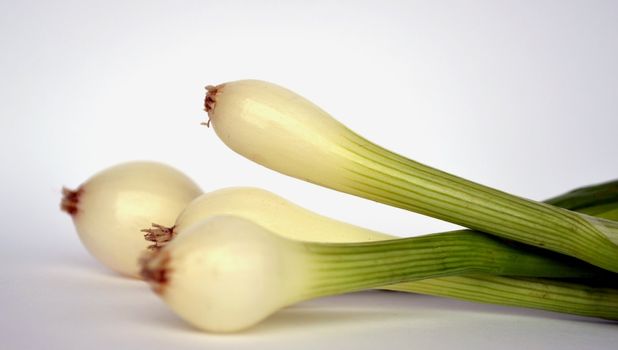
(155, 270)
(210, 101)
(159, 235)
(70, 200)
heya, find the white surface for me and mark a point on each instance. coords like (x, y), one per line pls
(522, 96)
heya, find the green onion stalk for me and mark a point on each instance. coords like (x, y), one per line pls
(283, 131)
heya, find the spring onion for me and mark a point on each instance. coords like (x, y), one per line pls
(227, 273)
(294, 222)
(285, 132)
(110, 207)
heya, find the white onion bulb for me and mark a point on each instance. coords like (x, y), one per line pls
(110, 208)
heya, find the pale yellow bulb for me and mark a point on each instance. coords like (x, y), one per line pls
(111, 208)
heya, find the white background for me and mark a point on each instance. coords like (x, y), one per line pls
(518, 95)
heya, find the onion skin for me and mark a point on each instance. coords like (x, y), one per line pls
(110, 208)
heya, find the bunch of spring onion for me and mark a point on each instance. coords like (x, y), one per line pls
(127, 195)
(230, 264)
(285, 132)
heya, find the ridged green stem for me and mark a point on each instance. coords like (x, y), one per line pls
(607, 211)
(578, 298)
(584, 198)
(536, 293)
(378, 174)
(344, 267)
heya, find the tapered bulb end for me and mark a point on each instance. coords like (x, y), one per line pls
(155, 270)
(158, 234)
(70, 200)
(210, 102)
